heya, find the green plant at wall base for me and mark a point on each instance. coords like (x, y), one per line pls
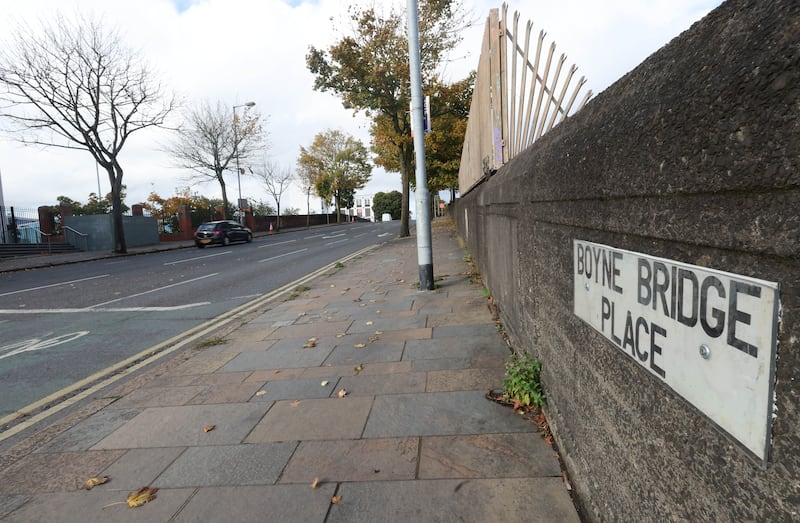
(521, 384)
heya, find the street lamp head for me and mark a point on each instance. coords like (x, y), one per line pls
(249, 104)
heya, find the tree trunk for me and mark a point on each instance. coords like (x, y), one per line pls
(308, 209)
(221, 181)
(115, 179)
(278, 218)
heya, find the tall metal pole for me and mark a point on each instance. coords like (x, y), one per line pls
(424, 253)
(236, 153)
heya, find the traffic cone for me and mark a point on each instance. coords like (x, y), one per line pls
(270, 227)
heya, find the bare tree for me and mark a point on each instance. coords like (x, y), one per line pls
(276, 180)
(73, 84)
(212, 139)
(306, 179)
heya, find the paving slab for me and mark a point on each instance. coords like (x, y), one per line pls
(223, 465)
(225, 393)
(520, 455)
(138, 467)
(371, 385)
(470, 317)
(431, 364)
(278, 357)
(527, 500)
(379, 351)
(295, 389)
(221, 378)
(157, 397)
(98, 506)
(10, 503)
(302, 331)
(487, 328)
(456, 347)
(263, 375)
(441, 413)
(89, 431)
(236, 344)
(183, 426)
(259, 504)
(466, 379)
(53, 472)
(392, 367)
(387, 324)
(353, 460)
(313, 419)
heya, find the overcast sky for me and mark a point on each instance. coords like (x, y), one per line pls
(238, 51)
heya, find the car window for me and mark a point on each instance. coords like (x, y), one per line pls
(206, 227)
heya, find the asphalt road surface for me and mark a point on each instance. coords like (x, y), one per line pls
(60, 325)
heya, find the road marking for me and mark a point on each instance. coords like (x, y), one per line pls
(55, 285)
(102, 379)
(360, 235)
(154, 290)
(38, 344)
(338, 241)
(111, 309)
(276, 243)
(333, 236)
(281, 255)
(384, 234)
(198, 258)
(315, 236)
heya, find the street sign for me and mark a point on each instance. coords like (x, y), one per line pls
(708, 335)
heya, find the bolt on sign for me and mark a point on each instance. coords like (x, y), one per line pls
(708, 335)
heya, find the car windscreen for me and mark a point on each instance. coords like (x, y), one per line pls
(206, 227)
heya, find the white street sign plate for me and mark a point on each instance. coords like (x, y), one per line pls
(708, 335)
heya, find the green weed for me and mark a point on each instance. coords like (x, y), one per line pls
(522, 383)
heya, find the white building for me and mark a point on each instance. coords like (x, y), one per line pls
(363, 207)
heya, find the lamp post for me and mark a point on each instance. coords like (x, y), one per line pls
(236, 153)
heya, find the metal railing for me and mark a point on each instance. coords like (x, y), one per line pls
(69, 230)
(47, 237)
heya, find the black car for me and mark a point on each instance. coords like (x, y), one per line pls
(223, 232)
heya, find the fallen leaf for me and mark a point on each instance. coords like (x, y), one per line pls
(336, 499)
(324, 383)
(341, 335)
(310, 345)
(313, 339)
(141, 496)
(342, 393)
(277, 371)
(377, 311)
(302, 314)
(294, 403)
(368, 323)
(358, 368)
(315, 483)
(402, 281)
(209, 428)
(378, 332)
(261, 392)
(93, 482)
(332, 286)
(373, 339)
(362, 304)
(359, 345)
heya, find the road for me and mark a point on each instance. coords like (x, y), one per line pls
(60, 325)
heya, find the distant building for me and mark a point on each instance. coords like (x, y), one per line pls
(363, 207)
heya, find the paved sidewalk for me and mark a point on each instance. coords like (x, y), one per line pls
(413, 439)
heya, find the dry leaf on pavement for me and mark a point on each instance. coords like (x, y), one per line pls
(336, 499)
(324, 383)
(360, 345)
(209, 428)
(141, 496)
(358, 368)
(261, 392)
(373, 339)
(93, 482)
(341, 335)
(378, 332)
(294, 403)
(310, 345)
(342, 393)
(315, 483)
(368, 323)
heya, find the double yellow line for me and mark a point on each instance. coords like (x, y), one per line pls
(124, 368)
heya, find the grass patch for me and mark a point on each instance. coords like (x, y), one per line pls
(210, 342)
(339, 265)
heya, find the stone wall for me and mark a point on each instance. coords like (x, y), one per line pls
(694, 156)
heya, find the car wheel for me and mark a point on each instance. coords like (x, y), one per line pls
(226, 240)
(200, 246)
(249, 237)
